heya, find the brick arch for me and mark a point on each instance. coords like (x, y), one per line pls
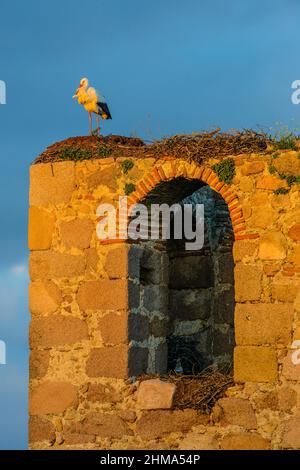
(170, 170)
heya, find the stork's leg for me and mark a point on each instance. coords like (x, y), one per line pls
(90, 123)
(98, 123)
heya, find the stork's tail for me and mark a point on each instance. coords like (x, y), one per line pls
(104, 110)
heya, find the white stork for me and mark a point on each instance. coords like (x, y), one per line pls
(92, 102)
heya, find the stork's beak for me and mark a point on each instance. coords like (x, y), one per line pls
(76, 92)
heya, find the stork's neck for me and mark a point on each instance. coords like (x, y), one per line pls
(82, 91)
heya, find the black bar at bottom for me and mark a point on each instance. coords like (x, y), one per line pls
(134, 459)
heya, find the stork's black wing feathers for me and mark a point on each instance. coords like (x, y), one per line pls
(104, 109)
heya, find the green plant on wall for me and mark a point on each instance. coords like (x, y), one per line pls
(104, 151)
(287, 141)
(280, 191)
(129, 188)
(290, 179)
(79, 154)
(126, 166)
(284, 138)
(225, 170)
(74, 153)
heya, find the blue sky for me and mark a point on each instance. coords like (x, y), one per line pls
(165, 67)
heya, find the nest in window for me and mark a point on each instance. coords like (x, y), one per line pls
(200, 391)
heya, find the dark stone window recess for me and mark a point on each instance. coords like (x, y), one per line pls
(186, 298)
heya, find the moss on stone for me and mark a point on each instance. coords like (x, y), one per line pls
(225, 170)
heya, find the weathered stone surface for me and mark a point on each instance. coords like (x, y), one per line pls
(38, 364)
(272, 245)
(106, 176)
(262, 216)
(92, 259)
(257, 324)
(57, 330)
(294, 232)
(114, 328)
(44, 297)
(105, 425)
(279, 201)
(245, 441)
(128, 415)
(161, 358)
(297, 302)
(247, 282)
(285, 292)
(226, 268)
(51, 397)
(247, 210)
(260, 198)
(41, 225)
(108, 362)
(155, 394)
(196, 441)
(103, 295)
(270, 183)
(294, 257)
(242, 248)
(49, 265)
(134, 295)
(271, 269)
(291, 434)
(116, 263)
(123, 262)
(287, 398)
(138, 361)
(224, 306)
(238, 411)
(158, 423)
(252, 168)
(291, 371)
(216, 414)
(103, 393)
(255, 364)
(77, 233)
(155, 298)
(262, 213)
(191, 272)
(51, 183)
(246, 184)
(223, 342)
(74, 438)
(40, 430)
(266, 400)
(154, 267)
(138, 327)
(151, 445)
(288, 164)
(188, 304)
(159, 327)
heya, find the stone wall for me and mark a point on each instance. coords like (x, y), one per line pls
(87, 334)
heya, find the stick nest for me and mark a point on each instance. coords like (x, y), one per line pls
(200, 391)
(205, 145)
(197, 147)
